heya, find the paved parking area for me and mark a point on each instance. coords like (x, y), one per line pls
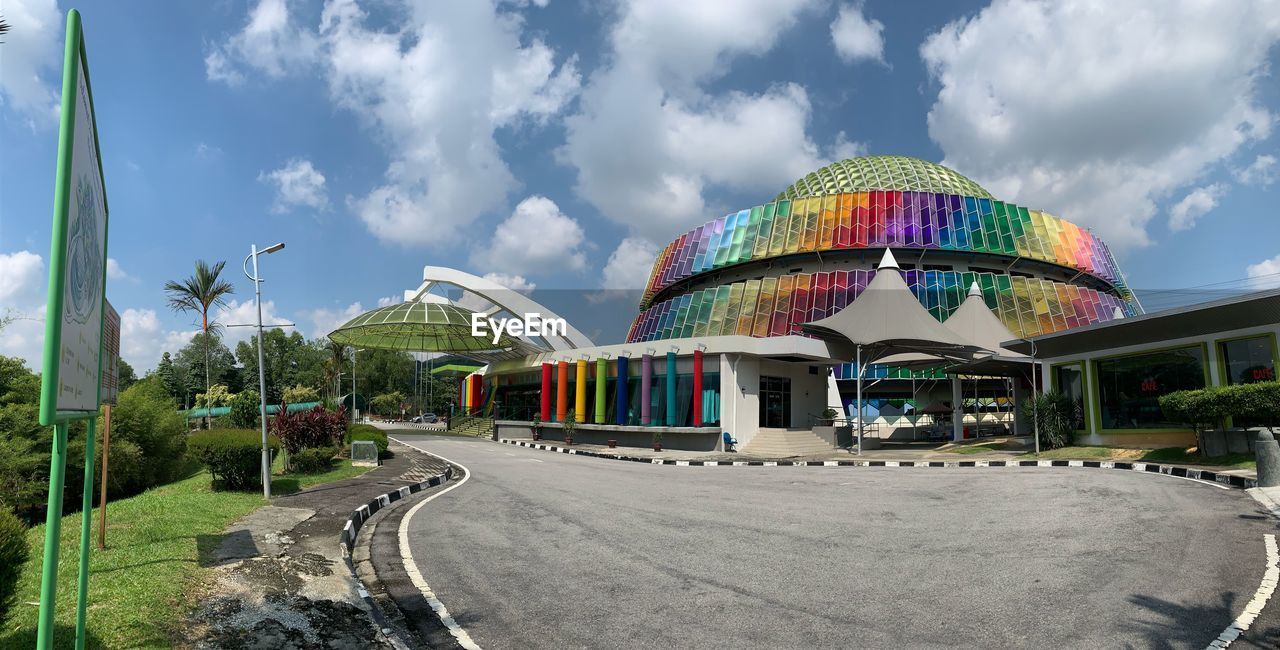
(547, 550)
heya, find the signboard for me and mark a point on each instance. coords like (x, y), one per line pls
(110, 356)
(77, 256)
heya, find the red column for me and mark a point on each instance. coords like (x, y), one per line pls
(697, 388)
(545, 412)
(562, 390)
(476, 393)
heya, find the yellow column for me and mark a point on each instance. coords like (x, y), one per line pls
(580, 393)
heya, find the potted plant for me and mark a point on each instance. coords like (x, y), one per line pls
(829, 417)
(570, 422)
(657, 441)
(536, 426)
(613, 443)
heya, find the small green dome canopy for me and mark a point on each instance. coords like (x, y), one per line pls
(417, 327)
(866, 173)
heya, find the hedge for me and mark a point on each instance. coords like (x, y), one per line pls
(1207, 408)
(233, 456)
(13, 554)
(368, 432)
(313, 460)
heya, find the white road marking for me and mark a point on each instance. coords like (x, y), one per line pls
(534, 460)
(1260, 598)
(411, 567)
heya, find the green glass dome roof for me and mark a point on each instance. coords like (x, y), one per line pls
(866, 173)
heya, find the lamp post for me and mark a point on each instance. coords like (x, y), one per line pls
(262, 376)
(355, 409)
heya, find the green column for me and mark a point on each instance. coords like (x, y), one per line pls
(602, 371)
(52, 533)
(671, 389)
(86, 516)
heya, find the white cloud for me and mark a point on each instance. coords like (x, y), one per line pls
(513, 282)
(324, 321)
(1197, 203)
(1265, 274)
(537, 237)
(629, 264)
(206, 151)
(269, 43)
(1098, 111)
(30, 60)
(297, 184)
(389, 300)
(246, 313)
(649, 141)
(856, 37)
(143, 339)
(21, 279)
(117, 272)
(1262, 172)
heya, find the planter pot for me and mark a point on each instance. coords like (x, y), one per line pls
(612, 443)
(657, 446)
(537, 436)
(568, 440)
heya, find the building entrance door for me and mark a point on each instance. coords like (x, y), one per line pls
(775, 402)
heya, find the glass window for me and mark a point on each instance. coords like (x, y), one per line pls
(1069, 380)
(1248, 360)
(1130, 387)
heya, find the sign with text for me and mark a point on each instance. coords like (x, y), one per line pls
(110, 356)
(77, 256)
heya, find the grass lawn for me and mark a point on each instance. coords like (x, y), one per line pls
(140, 587)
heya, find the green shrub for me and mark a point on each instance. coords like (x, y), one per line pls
(245, 407)
(313, 460)
(300, 394)
(368, 432)
(233, 456)
(309, 429)
(145, 416)
(1258, 401)
(13, 554)
(1055, 416)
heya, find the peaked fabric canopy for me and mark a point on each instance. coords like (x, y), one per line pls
(418, 327)
(886, 318)
(974, 322)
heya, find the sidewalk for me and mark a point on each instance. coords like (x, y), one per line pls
(280, 580)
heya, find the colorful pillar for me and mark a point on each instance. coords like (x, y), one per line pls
(646, 382)
(562, 390)
(580, 393)
(602, 378)
(671, 389)
(544, 412)
(476, 394)
(620, 401)
(697, 388)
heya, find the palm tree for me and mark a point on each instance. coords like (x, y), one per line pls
(198, 294)
(334, 364)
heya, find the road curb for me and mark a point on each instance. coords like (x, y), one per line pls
(351, 531)
(1228, 480)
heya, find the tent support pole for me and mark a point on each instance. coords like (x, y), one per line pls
(859, 363)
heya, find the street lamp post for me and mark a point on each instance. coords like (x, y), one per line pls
(262, 376)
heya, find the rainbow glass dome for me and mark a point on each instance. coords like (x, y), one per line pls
(883, 173)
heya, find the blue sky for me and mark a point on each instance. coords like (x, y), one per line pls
(560, 144)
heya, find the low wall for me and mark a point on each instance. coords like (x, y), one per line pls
(677, 438)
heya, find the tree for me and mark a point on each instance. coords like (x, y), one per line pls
(218, 395)
(300, 394)
(198, 294)
(191, 369)
(126, 377)
(335, 364)
(168, 374)
(387, 403)
(288, 360)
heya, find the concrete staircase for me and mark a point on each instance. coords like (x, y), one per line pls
(782, 443)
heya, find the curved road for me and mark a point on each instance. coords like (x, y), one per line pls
(544, 550)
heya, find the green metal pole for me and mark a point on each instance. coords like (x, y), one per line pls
(86, 516)
(52, 535)
(602, 368)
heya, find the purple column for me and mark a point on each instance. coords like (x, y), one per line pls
(646, 379)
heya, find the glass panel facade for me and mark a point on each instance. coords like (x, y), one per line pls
(1129, 387)
(775, 402)
(1069, 380)
(1247, 360)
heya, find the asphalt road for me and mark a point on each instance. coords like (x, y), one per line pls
(544, 550)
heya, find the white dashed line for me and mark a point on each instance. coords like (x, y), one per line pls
(411, 567)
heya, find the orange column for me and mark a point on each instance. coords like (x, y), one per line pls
(562, 390)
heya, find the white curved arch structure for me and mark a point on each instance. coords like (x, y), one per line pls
(502, 298)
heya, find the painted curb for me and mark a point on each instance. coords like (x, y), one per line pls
(1229, 480)
(351, 530)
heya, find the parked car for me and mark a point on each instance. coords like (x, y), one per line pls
(426, 418)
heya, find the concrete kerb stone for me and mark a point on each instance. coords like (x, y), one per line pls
(351, 531)
(1229, 480)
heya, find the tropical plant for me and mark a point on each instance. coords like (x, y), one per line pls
(309, 429)
(300, 394)
(232, 456)
(334, 365)
(198, 294)
(13, 554)
(569, 425)
(1055, 415)
(313, 460)
(218, 395)
(245, 408)
(368, 432)
(387, 403)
